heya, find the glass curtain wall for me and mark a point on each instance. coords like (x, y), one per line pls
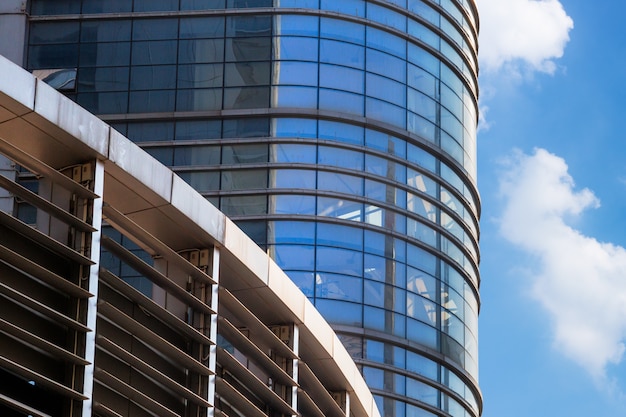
(340, 135)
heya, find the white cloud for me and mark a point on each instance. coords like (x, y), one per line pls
(528, 32)
(579, 281)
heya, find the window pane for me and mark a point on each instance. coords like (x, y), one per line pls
(196, 155)
(292, 178)
(291, 232)
(297, 49)
(343, 158)
(199, 99)
(201, 27)
(153, 29)
(154, 52)
(246, 97)
(294, 256)
(243, 180)
(200, 76)
(292, 204)
(201, 50)
(244, 205)
(342, 53)
(298, 73)
(340, 236)
(247, 73)
(105, 31)
(291, 152)
(153, 77)
(244, 154)
(342, 78)
(338, 287)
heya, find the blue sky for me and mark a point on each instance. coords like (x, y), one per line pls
(552, 175)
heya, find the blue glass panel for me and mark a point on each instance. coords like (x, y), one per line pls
(292, 204)
(350, 7)
(244, 179)
(294, 257)
(374, 294)
(421, 333)
(248, 49)
(151, 101)
(343, 261)
(423, 59)
(105, 31)
(296, 73)
(342, 53)
(296, 25)
(424, 34)
(344, 158)
(339, 235)
(341, 132)
(202, 181)
(154, 52)
(340, 183)
(154, 29)
(47, 7)
(303, 97)
(110, 6)
(422, 392)
(313, 4)
(387, 65)
(200, 50)
(245, 26)
(199, 99)
(300, 49)
(342, 30)
(292, 178)
(103, 79)
(387, 42)
(342, 78)
(386, 89)
(291, 152)
(151, 131)
(304, 280)
(53, 56)
(198, 129)
(422, 366)
(246, 74)
(291, 232)
(421, 158)
(155, 5)
(385, 142)
(338, 287)
(422, 80)
(104, 103)
(421, 259)
(421, 127)
(385, 112)
(202, 4)
(54, 32)
(201, 27)
(154, 77)
(298, 128)
(200, 76)
(197, 155)
(340, 312)
(421, 232)
(341, 101)
(386, 16)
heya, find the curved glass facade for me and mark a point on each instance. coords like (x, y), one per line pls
(340, 135)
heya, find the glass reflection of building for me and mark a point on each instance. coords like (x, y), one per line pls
(340, 135)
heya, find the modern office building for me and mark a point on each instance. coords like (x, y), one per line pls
(223, 331)
(338, 134)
